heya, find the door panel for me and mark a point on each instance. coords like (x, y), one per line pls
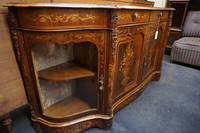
(129, 50)
(151, 51)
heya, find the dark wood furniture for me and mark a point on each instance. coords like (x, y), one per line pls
(82, 63)
(12, 92)
(178, 19)
(194, 5)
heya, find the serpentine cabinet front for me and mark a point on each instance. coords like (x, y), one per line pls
(81, 64)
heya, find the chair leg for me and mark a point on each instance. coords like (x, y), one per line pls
(7, 123)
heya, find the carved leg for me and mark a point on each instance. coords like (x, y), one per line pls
(37, 127)
(107, 124)
(157, 77)
(7, 123)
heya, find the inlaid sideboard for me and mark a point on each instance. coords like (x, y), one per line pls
(83, 62)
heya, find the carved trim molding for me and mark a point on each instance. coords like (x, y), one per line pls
(16, 43)
(73, 128)
(64, 124)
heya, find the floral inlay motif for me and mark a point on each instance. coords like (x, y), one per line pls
(127, 62)
(63, 18)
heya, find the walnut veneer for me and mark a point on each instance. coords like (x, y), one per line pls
(117, 51)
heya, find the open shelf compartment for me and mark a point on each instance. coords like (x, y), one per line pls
(67, 78)
(65, 71)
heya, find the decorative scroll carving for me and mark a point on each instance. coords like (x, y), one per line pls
(125, 16)
(64, 18)
(122, 31)
(114, 18)
(72, 129)
(94, 37)
(142, 29)
(126, 64)
(16, 43)
(101, 87)
(114, 41)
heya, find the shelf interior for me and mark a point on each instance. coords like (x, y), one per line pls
(68, 106)
(65, 71)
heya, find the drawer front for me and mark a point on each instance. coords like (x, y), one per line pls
(61, 18)
(156, 14)
(130, 16)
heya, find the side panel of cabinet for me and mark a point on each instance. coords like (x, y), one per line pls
(129, 50)
(12, 90)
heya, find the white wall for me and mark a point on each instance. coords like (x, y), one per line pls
(159, 3)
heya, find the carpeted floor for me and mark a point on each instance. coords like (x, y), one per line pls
(171, 105)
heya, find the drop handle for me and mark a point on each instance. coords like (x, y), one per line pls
(135, 15)
(160, 14)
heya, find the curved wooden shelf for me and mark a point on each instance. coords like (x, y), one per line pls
(68, 106)
(65, 71)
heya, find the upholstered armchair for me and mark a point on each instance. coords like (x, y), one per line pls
(187, 49)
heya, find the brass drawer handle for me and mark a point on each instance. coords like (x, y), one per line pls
(135, 15)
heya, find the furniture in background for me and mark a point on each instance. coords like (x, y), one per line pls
(12, 92)
(194, 5)
(82, 63)
(178, 19)
(187, 49)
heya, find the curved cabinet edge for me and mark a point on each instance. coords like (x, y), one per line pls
(68, 123)
(133, 94)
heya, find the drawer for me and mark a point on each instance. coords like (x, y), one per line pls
(155, 14)
(130, 16)
(61, 18)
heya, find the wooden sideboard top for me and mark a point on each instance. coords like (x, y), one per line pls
(64, 5)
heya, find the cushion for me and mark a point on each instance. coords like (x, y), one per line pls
(192, 24)
(187, 50)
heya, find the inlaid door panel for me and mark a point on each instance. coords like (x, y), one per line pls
(151, 51)
(129, 49)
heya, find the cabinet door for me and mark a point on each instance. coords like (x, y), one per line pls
(151, 51)
(129, 50)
